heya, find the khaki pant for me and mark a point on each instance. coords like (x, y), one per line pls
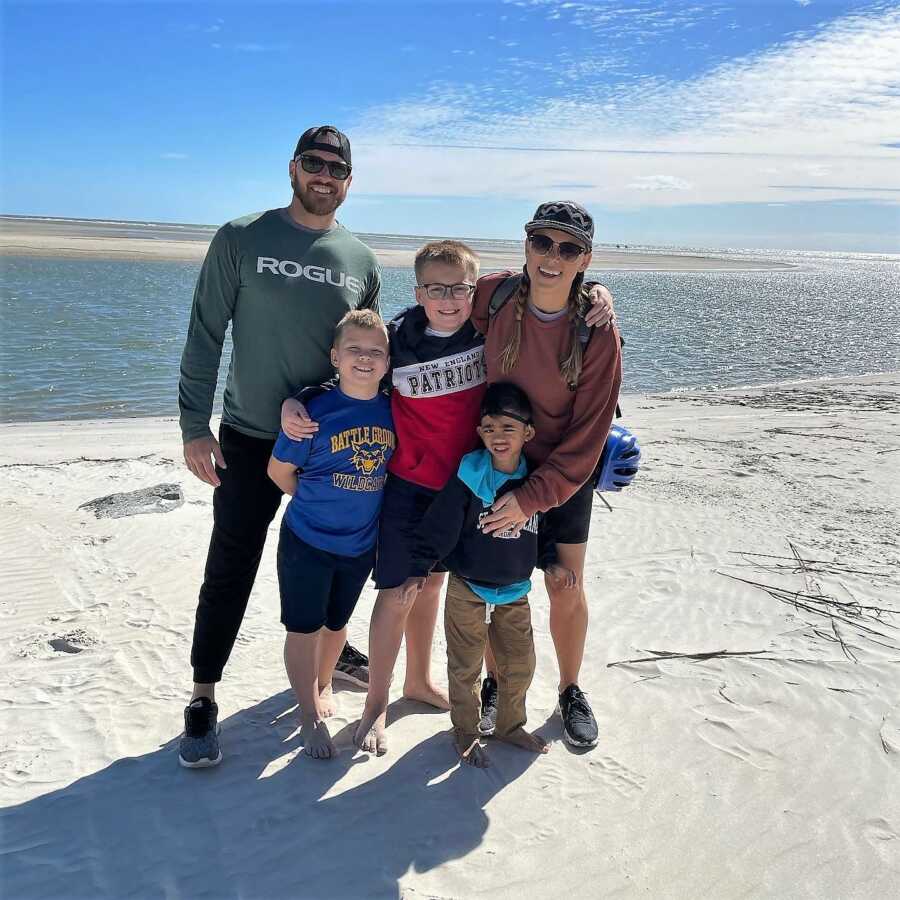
(513, 645)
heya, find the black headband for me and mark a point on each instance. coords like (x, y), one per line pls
(508, 413)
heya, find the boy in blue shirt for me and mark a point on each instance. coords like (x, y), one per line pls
(327, 545)
(489, 575)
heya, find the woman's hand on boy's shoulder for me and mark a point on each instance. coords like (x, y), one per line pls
(601, 313)
(295, 421)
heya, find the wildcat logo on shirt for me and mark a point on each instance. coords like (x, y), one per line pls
(371, 446)
(367, 457)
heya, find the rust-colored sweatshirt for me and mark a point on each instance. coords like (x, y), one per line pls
(571, 426)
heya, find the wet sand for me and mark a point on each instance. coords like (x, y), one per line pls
(90, 239)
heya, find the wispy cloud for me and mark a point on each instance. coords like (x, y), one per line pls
(173, 156)
(818, 105)
(659, 183)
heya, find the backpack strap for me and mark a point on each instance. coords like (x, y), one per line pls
(504, 290)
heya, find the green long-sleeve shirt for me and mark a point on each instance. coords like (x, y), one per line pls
(283, 288)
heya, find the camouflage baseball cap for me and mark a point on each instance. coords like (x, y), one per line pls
(564, 215)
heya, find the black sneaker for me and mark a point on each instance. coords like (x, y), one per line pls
(579, 724)
(352, 666)
(199, 746)
(488, 723)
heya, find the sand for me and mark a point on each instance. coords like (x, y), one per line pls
(86, 239)
(771, 772)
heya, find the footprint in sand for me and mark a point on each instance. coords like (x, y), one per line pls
(890, 735)
(617, 775)
(723, 737)
(883, 837)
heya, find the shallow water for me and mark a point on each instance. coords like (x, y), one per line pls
(97, 338)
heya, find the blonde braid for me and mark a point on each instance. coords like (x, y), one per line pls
(510, 354)
(570, 365)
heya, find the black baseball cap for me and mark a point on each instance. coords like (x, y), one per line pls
(312, 139)
(564, 215)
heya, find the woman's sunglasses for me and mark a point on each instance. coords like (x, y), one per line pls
(315, 164)
(542, 245)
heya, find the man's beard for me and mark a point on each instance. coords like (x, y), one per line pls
(317, 204)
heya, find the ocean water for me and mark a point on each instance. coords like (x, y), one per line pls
(97, 338)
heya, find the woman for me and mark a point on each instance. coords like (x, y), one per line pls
(572, 377)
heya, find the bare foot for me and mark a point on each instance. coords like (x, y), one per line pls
(521, 738)
(374, 740)
(327, 702)
(316, 740)
(471, 751)
(427, 693)
(369, 735)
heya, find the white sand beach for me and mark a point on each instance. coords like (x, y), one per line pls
(87, 239)
(750, 733)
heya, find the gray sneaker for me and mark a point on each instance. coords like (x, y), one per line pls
(488, 723)
(352, 666)
(199, 746)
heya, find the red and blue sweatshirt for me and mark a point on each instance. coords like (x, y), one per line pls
(438, 383)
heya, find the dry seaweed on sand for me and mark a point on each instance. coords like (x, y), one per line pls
(658, 655)
(868, 620)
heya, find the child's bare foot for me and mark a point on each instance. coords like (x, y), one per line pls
(374, 740)
(521, 738)
(471, 751)
(369, 735)
(327, 702)
(316, 740)
(427, 693)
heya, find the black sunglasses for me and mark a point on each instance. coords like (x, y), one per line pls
(315, 164)
(542, 245)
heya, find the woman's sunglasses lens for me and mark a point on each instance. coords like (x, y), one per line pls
(569, 251)
(541, 243)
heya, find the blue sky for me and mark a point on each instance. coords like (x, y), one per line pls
(728, 124)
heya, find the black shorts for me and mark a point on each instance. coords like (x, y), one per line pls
(571, 522)
(402, 510)
(317, 587)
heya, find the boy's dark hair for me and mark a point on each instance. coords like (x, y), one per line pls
(503, 398)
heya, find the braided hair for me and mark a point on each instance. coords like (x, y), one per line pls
(570, 364)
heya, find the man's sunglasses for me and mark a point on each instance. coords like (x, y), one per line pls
(315, 164)
(542, 245)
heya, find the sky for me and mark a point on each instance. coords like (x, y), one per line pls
(749, 123)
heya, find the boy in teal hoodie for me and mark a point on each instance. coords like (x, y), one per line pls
(490, 576)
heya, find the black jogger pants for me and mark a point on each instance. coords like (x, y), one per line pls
(244, 505)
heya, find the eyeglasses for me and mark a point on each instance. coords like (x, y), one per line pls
(542, 245)
(315, 164)
(438, 291)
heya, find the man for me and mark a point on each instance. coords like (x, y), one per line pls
(283, 278)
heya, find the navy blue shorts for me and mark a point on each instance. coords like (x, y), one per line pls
(402, 510)
(571, 522)
(318, 588)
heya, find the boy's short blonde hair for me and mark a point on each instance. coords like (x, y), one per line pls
(451, 253)
(359, 318)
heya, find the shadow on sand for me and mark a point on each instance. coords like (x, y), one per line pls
(258, 826)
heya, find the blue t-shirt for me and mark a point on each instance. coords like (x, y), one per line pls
(341, 482)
